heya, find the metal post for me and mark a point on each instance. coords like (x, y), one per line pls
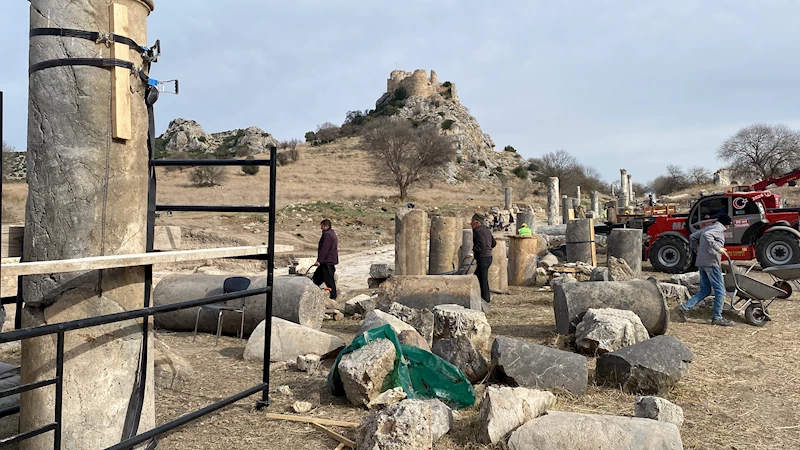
(59, 389)
(273, 151)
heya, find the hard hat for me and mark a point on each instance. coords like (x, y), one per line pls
(524, 225)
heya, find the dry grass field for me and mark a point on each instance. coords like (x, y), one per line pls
(742, 391)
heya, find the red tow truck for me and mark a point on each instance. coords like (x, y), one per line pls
(761, 229)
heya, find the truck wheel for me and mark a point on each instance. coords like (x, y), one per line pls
(670, 254)
(777, 248)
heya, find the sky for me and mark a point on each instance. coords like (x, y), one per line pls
(634, 84)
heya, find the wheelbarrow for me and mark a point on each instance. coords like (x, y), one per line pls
(785, 277)
(750, 295)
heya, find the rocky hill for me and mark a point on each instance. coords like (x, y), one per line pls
(188, 136)
(421, 98)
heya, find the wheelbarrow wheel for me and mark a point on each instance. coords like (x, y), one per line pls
(754, 314)
(786, 286)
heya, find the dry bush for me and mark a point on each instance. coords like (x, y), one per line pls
(207, 176)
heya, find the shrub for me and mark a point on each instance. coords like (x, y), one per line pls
(447, 124)
(520, 172)
(206, 176)
(482, 163)
(202, 139)
(400, 94)
(250, 170)
(311, 136)
(509, 148)
(498, 169)
(176, 155)
(160, 152)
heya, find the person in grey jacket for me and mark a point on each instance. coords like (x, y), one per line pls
(709, 243)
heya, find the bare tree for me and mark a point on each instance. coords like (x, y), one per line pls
(293, 143)
(7, 148)
(674, 180)
(761, 150)
(569, 171)
(327, 132)
(404, 154)
(699, 175)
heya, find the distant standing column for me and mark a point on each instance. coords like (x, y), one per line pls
(553, 216)
(566, 206)
(580, 241)
(522, 260)
(498, 271)
(623, 188)
(508, 198)
(446, 241)
(627, 244)
(578, 194)
(411, 243)
(595, 205)
(631, 196)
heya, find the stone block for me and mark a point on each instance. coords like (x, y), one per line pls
(453, 321)
(364, 371)
(360, 304)
(536, 366)
(429, 291)
(660, 409)
(377, 318)
(606, 329)
(504, 409)
(381, 270)
(566, 430)
(619, 270)
(290, 340)
(651, 367)
(461, 353)
(420, 319)
(407, 425)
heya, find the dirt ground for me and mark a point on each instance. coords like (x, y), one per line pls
(742, 391)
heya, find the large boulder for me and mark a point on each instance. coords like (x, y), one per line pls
(565, 430)
(364, 371)
(461, 352)
(606, 329)
(453, 321)
(660, 409)
(649, 367)
(504, 409)
(619, 270)
(288, 341)
(420, 319)
(407, 425)
(536, 366)
(377, 318)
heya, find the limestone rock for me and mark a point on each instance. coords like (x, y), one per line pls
(565, 430)
(301, 407)
(407, 425)
(170, 369)
(413, 338)
(604, 330)
(674, 293)
(441, 418)
(387, 398)
(649, 367)
(375, 283)
(536, 366)
(377, 318)
(461, 353)
(186, 136)
(288, 341)
(284, 390)
(453, 321)
(360, 304)
(429, 291)
(364, 371)
(381, 270)
(660, 409)
(619, 270)
(691, 280)
(599, 274)
(308, 363)
(504, 409)
(420, 319)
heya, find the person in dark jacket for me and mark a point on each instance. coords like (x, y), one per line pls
(327, 258)
(482, 244)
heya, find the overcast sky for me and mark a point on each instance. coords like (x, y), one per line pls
(618, 83)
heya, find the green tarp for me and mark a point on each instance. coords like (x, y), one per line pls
(420, 373)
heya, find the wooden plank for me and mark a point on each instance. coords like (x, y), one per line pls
(305, 419)
(120, 76)
(11, 241)
(334, 435)
(139, 259)
(165, 238)
(339, 447)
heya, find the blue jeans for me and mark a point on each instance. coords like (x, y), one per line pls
(710, 278)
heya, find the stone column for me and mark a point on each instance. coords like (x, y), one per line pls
(498, 271)
(580, 241)
(595, 204)
(623, 188)
(446, 240)
(553, 199)
(508, 199)
(429, 291)
(631, 196)
(522, 260)
(578, 193)
(525, 217)
(87, 196)
(466, 246)
(566, 208)
(411, 242)
(627, 244)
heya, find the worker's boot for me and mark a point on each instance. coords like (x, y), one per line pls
(722, 322)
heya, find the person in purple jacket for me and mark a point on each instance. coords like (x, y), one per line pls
(327, 258)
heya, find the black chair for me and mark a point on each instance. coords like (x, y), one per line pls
(232, 284)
